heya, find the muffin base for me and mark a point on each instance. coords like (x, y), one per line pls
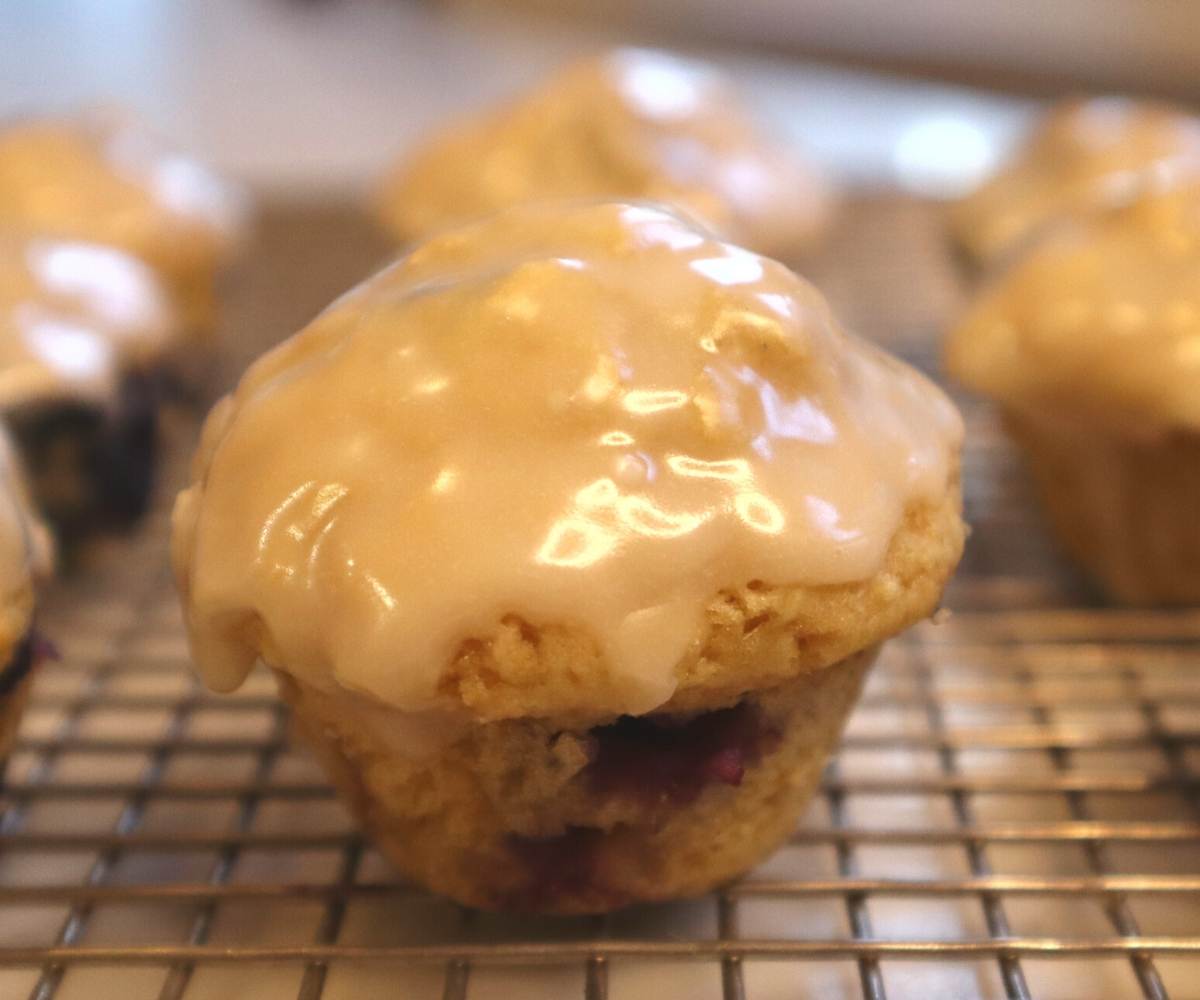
(16, 679)
(91, 469)
(1127, 510)
(528, 815)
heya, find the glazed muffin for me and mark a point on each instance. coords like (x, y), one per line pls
(85, 331)
(99, 179)
(1084, 156)
(25, 560)
(570, 538)
(628, 124)
(1090, 343)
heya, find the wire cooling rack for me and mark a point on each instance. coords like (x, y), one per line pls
(1012, 813)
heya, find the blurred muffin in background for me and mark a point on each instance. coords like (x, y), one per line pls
(1085, 155)
(26, 558)
(1090, 343)
(633, 124)
(570, 538)
(99, 178)
(85, 332)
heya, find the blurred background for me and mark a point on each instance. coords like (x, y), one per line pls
(902, 100)
(310, 96)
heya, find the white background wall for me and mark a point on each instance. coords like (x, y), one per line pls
(312, 97)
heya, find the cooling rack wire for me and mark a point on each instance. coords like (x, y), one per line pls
(1012, 812)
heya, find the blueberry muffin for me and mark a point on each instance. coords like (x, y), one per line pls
(85, 331)
(570, 538)
(1090, 344)
(99, 179)
(631, 123)
(25, 560)
(1085, 155)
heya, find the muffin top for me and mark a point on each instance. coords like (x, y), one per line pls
(99, 179)
(26, 553)
(1084, 155)
(628, 124)
(1097, 323)
(73, 318)
(593, 415)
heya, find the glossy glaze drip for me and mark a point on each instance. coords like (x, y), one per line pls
(1098, 323)
(73, 318)
(630, 124)
(1086, 155)
(595, 416)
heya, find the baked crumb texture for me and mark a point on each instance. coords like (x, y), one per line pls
(755, 637)
(531, 814)
(543, 806)
(1127, 509)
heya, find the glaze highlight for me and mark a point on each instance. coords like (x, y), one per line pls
(594, 414)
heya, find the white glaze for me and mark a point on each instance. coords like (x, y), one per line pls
(97, 178)
(593, 415)
(629, 124)
(1098, 323)
(1086, 155)
(73, 318)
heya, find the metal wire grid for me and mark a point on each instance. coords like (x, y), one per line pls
(1013, 813)
(1017, 785)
